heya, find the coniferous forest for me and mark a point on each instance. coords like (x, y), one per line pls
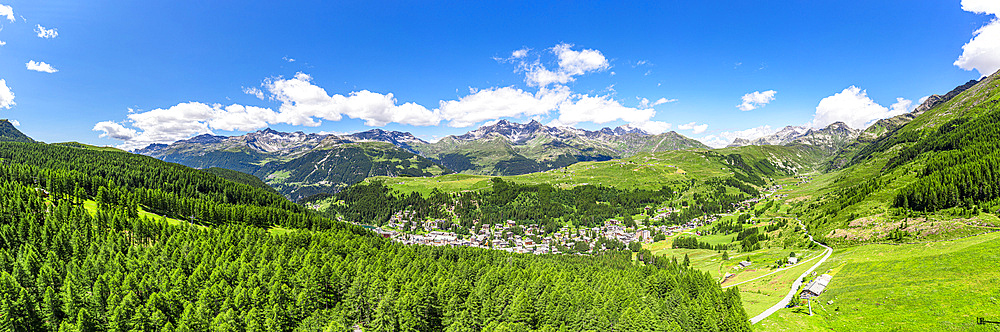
(69, 268)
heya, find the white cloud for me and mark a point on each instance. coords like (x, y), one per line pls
(253, 91)
(982, 52)
(901, 106)
(571, 63)
(652, 127)
(725, 138)
(756, 99)
(538, 75)
(15, 122)
(495, 103)
(171, 124)
(751, 133)
(45, 33)
(6, 96)
(600, 109)
(7, 11)
(239, 117)
(715, 141)
(287, 59)
(40, 67)
(115, 130)
(517, 54)
(981, 6)
(303, 102)
(645, 103)
(579, 63)
(853, 107)
(695, 128)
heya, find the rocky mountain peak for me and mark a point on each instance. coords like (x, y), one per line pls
(504, 128)
(629, 129)
(151, 148)
(838, 126)
(401, 139)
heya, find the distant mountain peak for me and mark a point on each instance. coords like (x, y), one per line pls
(629, 129)
(832, 136)
(839, 125)
(268, 130)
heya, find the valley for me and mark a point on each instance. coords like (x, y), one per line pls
(736, 215)
(499, 166)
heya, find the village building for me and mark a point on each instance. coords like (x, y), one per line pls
(816, 287)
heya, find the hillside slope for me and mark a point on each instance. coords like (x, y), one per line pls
(932, 177)
(330, 168)
(9, 133)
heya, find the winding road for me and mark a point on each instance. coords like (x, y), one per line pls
(798, 282)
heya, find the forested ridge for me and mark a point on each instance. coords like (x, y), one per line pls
(66, 269)
(9, 133)
(962, 165)
(132, 180)
(541, 205)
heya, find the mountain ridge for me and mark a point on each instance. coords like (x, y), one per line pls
(501, 148)
(10, 133)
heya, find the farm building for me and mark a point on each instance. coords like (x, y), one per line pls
(745, 263)
(792, 260)
(816, 287)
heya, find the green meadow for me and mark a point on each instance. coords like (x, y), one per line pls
(940, 286)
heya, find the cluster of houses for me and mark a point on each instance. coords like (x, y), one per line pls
(532, 240)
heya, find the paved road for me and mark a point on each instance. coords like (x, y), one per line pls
(795, 286)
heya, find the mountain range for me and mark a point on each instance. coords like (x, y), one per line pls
(299, 165)
(833, 137)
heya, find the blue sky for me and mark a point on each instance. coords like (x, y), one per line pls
(130, 73)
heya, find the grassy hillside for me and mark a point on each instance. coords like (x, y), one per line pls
(486, 156)
(942, 286)
(931, 178)
(645, 171)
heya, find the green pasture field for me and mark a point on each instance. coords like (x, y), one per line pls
(941, 286)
